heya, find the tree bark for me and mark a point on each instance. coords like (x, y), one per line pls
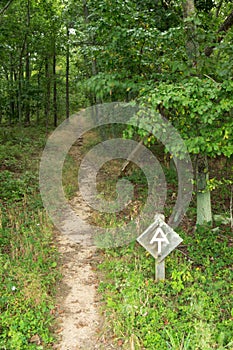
(67, 73)
(47, 94)
(94, 70)
(204, 213)
(20, 83)
(38, 105)
(27, 71)
(54, 85)
(190, 28)
(27, 97)
(11, 91)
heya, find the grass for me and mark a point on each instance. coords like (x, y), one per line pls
(28, 256)
(70, 177)
(192, 309)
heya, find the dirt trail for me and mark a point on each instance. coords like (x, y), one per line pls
(80, 320)
(77, 301)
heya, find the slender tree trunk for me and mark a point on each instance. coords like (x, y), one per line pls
(67, 73)
(20, 82)
(47, 93)
(94, 70)
(37, 102)
(54, 86)
(27, 71)
(190, 28)
(27, 82)
(11, 92)
(204, 213)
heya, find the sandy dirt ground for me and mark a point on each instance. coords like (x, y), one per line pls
(80, 322)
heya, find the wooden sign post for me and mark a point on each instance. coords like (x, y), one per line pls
(159, 270)
(159, 239)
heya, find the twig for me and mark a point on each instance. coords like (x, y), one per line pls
(181, 251)
(218, 8)
(5, 7)
(130, 157)
(231, 208)
(207, 76)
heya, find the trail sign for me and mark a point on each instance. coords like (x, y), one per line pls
(159, 239)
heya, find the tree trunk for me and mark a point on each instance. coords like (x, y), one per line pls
(204, 212)
(190, 28)
(54, 86)
(27, 71)
(47, 94)
(37, 102)
(93, 99)
(20, 82)
(27, 82)
(67, 73)
(11, 92)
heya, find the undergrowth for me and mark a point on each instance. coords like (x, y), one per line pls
(193, 308)
(28, 256)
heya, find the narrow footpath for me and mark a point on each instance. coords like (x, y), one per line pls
(80, 323)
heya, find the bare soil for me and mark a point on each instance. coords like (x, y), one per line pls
(81, 325)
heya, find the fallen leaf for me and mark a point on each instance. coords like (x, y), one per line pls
(120, 342)
(35, 339)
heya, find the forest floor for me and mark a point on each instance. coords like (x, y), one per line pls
(80, 322)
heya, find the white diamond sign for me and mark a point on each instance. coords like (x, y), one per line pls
(159, 239)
